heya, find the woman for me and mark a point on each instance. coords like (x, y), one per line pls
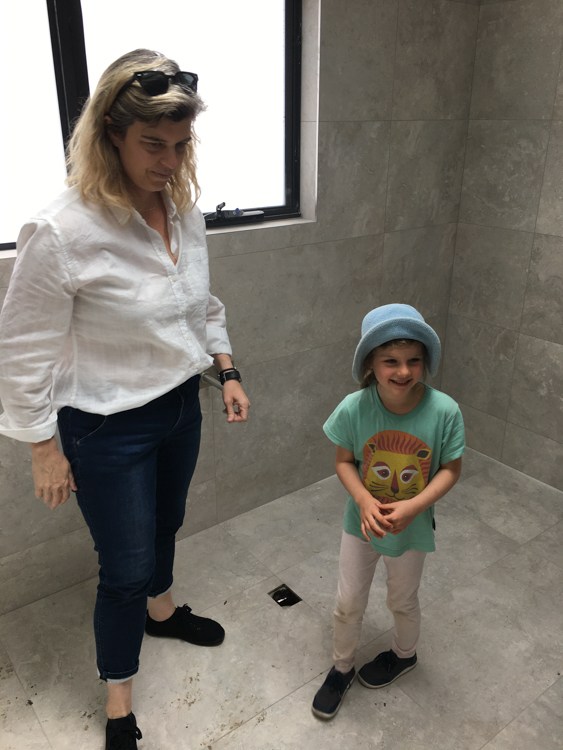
(106, 327)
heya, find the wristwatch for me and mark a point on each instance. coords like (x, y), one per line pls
(230, 373)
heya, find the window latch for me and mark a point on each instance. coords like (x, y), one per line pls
(221, 218)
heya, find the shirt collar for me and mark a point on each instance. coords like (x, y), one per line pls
(125, 217)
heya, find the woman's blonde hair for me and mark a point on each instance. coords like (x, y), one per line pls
(369, 375)
(93, 162)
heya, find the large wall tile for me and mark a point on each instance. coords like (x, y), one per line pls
(291, 398)
(357, 56)
(543, 306)
(41, 570)
(416, 269)
(291, 300)
(483, 432)
(353, 158)
(517, 60)
(489, 275)
(201, 509)
(537, 388)
(478, 364)
(205, 468)
(425, 171)
(503, 173)
(550, 214)
(279, 474)
(533, 454)
(25, 520)
(434, 65)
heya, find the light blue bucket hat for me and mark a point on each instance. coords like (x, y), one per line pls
(390, 322)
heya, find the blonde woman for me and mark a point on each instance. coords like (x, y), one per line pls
(107, 325)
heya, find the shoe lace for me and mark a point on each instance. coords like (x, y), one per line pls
(387, 660)
(125, 739)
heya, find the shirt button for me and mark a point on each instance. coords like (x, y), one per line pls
(182, 309)
(175, 278)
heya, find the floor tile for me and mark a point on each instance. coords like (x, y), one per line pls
(19, 726)
(315, 580)
(539, 726)
(211, 566)
(549, 545)
(190, 696)
(293, 528)
(52, 639)
(368, 719)
(489, 648)
(464, 547)
(510, 502)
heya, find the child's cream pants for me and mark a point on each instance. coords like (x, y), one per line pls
(357, 566)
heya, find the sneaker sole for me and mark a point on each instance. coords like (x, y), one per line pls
(326, 717)
(376, 687)
(186, 640)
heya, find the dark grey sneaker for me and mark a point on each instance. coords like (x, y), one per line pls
(330, 695)
(122, 734)
(385, 669)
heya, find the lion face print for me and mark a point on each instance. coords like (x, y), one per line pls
(396, 465)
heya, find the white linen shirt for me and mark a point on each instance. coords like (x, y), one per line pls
(98, 317)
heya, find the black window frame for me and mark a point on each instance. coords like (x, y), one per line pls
(71, 75)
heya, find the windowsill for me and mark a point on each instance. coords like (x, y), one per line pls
(5, 254)
(260, 225)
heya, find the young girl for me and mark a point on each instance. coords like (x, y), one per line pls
(399, 447)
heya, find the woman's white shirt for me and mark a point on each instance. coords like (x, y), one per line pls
(98, 317)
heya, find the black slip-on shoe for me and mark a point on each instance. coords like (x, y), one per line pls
(330, 695)
(187, 627)
(385, 669)
(122, 734)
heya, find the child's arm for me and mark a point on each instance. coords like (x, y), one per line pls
(403, 512)
(369, 507)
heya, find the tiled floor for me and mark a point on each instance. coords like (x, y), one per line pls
(490, 660)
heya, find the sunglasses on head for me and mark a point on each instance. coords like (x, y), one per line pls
(156, 82)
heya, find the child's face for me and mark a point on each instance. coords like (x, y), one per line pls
(398, 368)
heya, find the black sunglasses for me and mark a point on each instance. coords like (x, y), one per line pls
(155, 82)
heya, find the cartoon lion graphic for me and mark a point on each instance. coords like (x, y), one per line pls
(396, 466)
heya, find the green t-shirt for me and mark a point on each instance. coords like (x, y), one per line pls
(397, 455)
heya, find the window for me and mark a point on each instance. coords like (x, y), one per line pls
(248, 58)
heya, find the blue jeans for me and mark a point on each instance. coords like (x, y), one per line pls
(133, 470)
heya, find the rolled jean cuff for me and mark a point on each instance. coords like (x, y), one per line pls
(118, 680)
(161, 593)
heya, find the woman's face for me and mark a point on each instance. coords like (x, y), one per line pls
(150, 154)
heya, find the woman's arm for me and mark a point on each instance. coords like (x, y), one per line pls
(372, 520)
(233, 394)
(402, 512)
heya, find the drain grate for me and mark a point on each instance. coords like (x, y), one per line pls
(284, 596)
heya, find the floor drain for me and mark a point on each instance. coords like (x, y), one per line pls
(284, 596)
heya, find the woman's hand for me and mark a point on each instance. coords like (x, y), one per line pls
(233, 395)
(372, 518)
(52, 474)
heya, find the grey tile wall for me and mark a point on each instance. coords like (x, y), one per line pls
(425, 171)
(505, 329)
(503, 172)
(517, 61)
(435, 57)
